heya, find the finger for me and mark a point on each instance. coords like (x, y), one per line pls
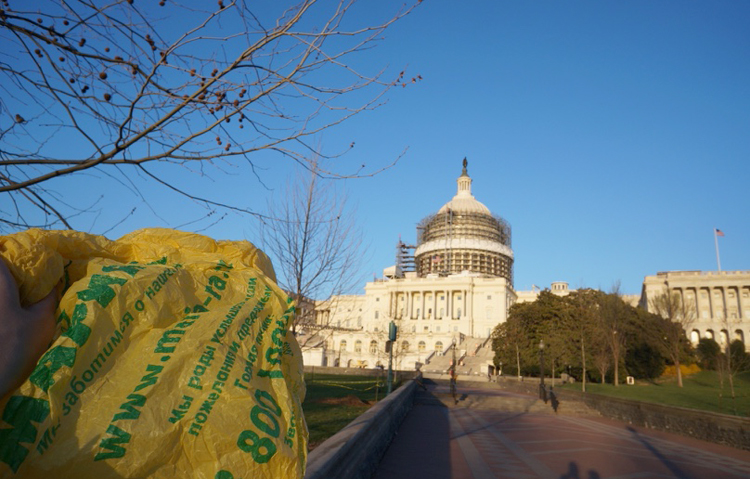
(9, 298)
(42, 315)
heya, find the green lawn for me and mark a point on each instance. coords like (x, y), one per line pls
(701, 391)
(333, 401)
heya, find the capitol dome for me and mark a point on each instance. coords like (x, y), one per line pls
(464, 236)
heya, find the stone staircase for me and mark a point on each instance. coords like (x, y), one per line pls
(472, 355)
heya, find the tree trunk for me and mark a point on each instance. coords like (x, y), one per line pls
(553, 373)
(679, 371)
(518, 361)
(616, 358)
(583, 362)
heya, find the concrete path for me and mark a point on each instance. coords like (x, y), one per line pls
(495, 434)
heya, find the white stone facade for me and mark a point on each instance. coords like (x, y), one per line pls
(720, 301)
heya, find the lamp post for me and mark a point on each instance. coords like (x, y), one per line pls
(453, 373)
(392, 334)
(542, 391)
(453, 364)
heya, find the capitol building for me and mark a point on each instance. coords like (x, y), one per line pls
(456, 284)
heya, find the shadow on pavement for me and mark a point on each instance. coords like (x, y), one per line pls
(574, 474)
(662, 458)
(421, 447)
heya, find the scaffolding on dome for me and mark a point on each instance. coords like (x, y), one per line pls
(448, 232)
(405, 257)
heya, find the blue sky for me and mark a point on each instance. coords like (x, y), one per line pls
(613, 136)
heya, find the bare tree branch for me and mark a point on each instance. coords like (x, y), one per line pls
(88, 85)
(314, 241)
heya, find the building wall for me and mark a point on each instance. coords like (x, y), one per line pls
(720, 300)
(429, 313)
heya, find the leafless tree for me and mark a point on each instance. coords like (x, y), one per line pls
(612, 324)
(314, 241)
(733, 358)
(143, 93)
(678, 317)
(582, 327)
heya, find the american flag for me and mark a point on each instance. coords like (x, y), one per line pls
(719, 232)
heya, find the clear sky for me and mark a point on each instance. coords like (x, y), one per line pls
(613, 136)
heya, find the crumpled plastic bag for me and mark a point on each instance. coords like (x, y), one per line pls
(172, 359)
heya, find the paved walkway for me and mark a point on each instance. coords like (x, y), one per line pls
(496, 434)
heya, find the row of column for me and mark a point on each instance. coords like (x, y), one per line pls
(421, 303)
(726, 305)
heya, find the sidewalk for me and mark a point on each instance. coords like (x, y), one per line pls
(497, 434)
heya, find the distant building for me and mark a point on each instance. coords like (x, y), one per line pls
(720, 301)
(558, 288)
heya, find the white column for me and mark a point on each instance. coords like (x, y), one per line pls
(448, 304)
(465, 309)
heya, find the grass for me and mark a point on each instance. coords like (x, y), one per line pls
(701, 391)
(333, 401)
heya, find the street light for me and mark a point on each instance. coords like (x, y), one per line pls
(453, 347)
(453, 373)
(542, 391)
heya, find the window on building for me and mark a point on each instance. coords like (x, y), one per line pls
(458, 298)
(437, 329)
(426, 329)
(359, 322)
(439, 346)
(377, 314)
(418, 311)
(489, 296)
(459, 314)
(442, 313)
(442, 298)
(358, 346)
(377, 299)
(373, 347)
(421, 346)
(429, 313)
(413, 329)
(404, 345)
(342, 345)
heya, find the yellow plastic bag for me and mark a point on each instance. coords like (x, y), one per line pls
(173, 359)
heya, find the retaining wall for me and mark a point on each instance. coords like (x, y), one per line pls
(708, 426)
(713, 427)
(355, 451)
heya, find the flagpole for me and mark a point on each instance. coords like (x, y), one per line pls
(716, 242)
